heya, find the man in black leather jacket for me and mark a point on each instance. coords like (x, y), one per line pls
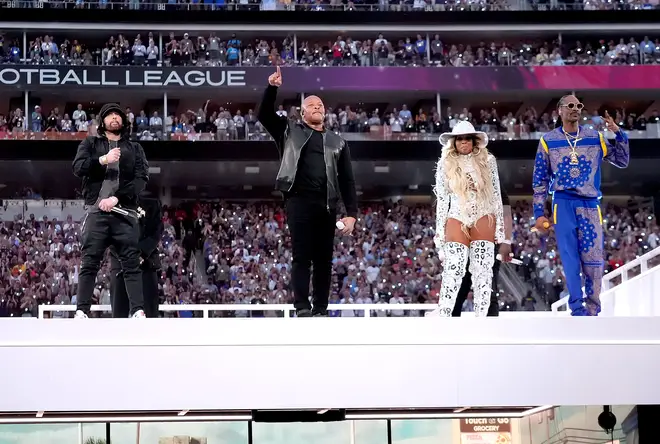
(151, 230)
(504, 250)
(315, 172)
(114, 171)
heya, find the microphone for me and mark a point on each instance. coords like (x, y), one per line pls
(119, 211)
(546, 225)
(513, 260)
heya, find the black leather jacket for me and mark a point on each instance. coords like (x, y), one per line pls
(290, 138)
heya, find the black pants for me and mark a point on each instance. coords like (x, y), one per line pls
(312, 228)
(466, 286)
(100, 231)
(119, 296)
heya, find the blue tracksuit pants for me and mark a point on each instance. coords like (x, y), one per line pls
(579, 232)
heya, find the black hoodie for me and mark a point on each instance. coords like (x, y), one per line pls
(99, 181)
(130, 181)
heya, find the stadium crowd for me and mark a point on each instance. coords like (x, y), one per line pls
(239, 254)
(380, 50)
(219, 123)
(628, 233)
(339, 5)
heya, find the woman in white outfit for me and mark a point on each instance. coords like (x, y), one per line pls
(469, 215)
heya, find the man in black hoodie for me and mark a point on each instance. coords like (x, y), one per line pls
(315, 172)
(114, 171)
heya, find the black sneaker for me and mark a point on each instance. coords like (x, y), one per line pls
(321, 314)
(304, 313)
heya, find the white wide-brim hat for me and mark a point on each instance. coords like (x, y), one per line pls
(464, 128)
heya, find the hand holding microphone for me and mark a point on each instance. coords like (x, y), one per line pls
(542, 225)
(108, 204)
(346, 225)
(511, 260)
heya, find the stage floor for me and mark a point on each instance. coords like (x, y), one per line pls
(230, 365)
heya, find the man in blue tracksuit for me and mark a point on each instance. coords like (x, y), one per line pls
(568, 166)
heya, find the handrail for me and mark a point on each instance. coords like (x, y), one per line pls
(642, 261)
(622, 271)
(285, 308)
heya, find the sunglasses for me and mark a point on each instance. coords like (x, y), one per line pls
(461, 138)
(573, 106)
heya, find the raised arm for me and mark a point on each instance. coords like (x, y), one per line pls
(441, 206)
(541, 179)
(274, 124)
(619, 153)
(500, 234)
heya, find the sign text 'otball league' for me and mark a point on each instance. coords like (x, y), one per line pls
(100, 77)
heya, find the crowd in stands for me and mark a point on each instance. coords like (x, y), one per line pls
(245, 258)
(200, 124)
(282, 5)
(339, 5)
(488, 120)
(381, 50)
(40, 261)
(219, 123)
(628, 234)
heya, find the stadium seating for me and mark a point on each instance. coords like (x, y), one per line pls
(240, 255)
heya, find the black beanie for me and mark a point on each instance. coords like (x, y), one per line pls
(113, 108)
(110, 108)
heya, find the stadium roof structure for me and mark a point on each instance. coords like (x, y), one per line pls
(521, 22)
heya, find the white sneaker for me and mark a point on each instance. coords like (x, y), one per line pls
(80, 315)
(138, 315)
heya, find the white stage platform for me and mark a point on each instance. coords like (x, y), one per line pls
(221, 365)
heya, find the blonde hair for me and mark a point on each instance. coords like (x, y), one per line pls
(457, 179)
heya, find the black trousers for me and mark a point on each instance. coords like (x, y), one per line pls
(100, 231)
(119, 296)
(466, 286)
(312, 228)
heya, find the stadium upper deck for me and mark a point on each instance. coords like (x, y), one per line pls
(385, 15)
(511, 85)
(344, 5)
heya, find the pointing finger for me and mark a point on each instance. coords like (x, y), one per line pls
(279, 73)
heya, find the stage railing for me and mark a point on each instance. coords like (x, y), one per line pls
(623, 273)
(377, 133)
(288, 309)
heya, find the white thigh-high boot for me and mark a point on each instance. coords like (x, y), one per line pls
(454, 267)
(482, 259)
